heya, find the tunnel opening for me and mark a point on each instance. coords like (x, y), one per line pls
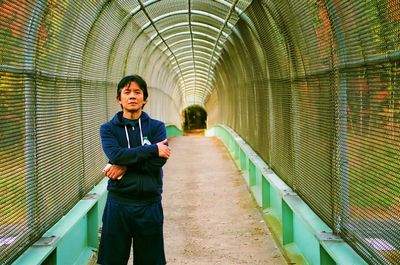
(194, 119)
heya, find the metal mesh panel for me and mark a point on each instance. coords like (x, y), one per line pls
(322, 91)
(93, 96)
(313, 142)
(368, 139)
(59, 167)
(213, 7)
(128, 5)
(51, 154)
(281, 136)
(100, 40)
(16, 113)
(370, 179)
(16, 165)
(164, 7)
(14, 22)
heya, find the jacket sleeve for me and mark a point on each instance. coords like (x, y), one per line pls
(123, 155)
(155, 163)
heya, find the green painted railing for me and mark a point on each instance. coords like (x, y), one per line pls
(74, 238)
(303, 236)
(172, 130)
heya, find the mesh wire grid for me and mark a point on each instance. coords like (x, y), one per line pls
(329, 90)
(316, 95)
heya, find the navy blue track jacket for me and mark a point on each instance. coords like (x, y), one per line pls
(136, 148)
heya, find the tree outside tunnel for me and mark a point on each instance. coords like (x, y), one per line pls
(194, 118)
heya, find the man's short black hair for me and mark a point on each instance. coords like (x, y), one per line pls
(127, 80)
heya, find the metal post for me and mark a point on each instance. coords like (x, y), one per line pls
(30, 104)
(341, 145)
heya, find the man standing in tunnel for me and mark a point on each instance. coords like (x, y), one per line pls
(136, 147)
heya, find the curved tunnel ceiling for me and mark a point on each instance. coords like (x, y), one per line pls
(191, 33)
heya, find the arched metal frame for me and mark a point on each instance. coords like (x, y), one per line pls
(187, 34)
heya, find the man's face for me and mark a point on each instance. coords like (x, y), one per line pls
(132, 98)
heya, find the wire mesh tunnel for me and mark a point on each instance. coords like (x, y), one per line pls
(312, 86)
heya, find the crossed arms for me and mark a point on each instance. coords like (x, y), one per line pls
(151, 157)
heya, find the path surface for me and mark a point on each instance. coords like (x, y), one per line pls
(210, 217)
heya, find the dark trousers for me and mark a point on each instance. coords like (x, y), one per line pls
(124, 224)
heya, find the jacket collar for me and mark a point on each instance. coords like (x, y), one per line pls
(117, 119)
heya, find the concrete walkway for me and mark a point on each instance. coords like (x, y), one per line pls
(210, 217)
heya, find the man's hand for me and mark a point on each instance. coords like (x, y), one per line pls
(114, 172)
(163, 149)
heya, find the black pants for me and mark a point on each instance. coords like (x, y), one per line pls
(124, 224)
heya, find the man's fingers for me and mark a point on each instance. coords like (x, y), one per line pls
(112, 176)
(167, 152)
(163, 149)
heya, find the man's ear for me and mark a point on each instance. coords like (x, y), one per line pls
(144, 103)
(119, 101)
